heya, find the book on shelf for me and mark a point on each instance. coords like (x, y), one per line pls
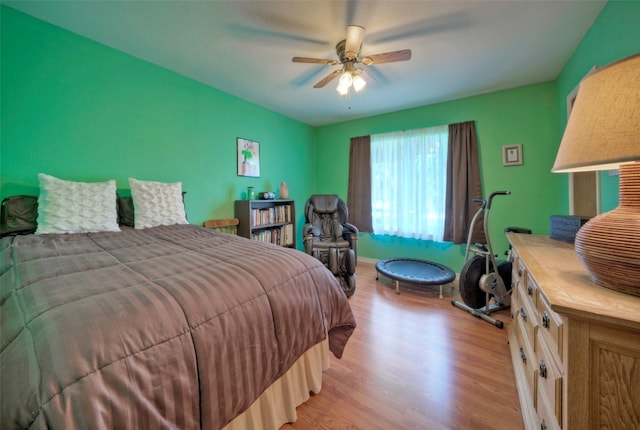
(289, 234)
(271, 215)
(278, 235)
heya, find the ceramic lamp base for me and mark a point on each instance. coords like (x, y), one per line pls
(609, 244)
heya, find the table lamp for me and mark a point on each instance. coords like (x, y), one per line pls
(602, 133)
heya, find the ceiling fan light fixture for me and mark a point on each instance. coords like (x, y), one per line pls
(344, 83)
(358, 83)
(346, 79)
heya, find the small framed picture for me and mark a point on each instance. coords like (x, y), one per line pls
(512, 155)
(248, 157)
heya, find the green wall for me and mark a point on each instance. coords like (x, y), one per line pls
(79, 110)
(526, 115)
(615, 35)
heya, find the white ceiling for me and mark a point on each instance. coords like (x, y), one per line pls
(460, 48)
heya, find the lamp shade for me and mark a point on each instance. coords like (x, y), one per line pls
(603, 130)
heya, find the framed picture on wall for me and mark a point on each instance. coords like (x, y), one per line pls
(512, 155)
(248, 157)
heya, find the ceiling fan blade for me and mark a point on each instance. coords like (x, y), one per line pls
(314, 60)
(355, 33)
(328, 79)
(387, 57)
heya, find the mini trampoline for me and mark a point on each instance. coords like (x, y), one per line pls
(421, 272)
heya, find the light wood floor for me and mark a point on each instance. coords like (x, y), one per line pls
(415, 362)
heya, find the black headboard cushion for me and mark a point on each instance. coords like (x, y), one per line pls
(125, 211)
(18, 215)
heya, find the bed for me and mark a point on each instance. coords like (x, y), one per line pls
(171, 326)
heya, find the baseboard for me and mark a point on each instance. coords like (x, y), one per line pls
(367, 260)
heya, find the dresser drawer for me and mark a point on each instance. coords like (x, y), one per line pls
(517, 270)
(528, 361)
(546, 417)
(526, 315)
(549, 382)
(516, 303)
(530, 289)
(551, 327)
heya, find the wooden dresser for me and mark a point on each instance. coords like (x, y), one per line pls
(575, 346)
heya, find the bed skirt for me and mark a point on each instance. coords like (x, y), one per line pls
(277, 405)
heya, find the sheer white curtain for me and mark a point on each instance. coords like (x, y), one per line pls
(408, 182)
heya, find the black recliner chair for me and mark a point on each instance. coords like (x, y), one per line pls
(331, 239)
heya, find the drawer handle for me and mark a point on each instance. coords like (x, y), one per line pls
(543, 425)
(543, 369)
(520, 272)
(545, 320)
(523, 356)
(523, 314)
(530, 290)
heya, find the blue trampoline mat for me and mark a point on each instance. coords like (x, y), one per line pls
(415, 271)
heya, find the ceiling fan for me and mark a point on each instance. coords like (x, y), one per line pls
(349, 56)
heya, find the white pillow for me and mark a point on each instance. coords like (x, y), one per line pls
(76, 207)
(157, 203)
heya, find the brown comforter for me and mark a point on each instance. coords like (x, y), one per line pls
(168, 327)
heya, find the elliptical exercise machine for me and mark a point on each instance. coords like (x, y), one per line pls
(485, 284)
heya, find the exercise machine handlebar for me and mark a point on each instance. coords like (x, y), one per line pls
(486, 203)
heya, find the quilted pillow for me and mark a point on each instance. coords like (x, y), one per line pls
(76, 207)
(157, 203)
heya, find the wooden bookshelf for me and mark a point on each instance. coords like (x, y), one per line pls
(267, 220)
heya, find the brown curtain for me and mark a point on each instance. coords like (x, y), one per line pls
(359, 193)
(463, 185)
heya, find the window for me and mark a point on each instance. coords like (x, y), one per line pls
(408, 183)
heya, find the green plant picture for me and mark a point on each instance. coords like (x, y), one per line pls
(248, 157)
